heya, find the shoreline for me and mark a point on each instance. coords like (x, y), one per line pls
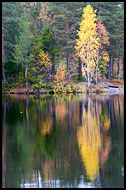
(110, 91)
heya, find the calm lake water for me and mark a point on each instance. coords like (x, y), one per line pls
(62, 141)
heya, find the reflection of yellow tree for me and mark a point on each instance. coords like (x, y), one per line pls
(46, 126)
(48, 169)
(88, 137)
(105, 149)
(94, 144)
(118, 105)
(61, 111)
(105, 140)
(106, 124)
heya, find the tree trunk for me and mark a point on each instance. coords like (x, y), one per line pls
(111, 68)
(118, 67)
(53, 66)
(88, 72)
(119, 63)
(88, 79)
(68, 70)
(26, 77)
(109, 73)
(72, 64)
(4, 75)
(89, 133)
(3, 63)
(4, 140)
(80, 66)
(67, 29)
(48, 78)
(69, 121)
(57, 67)
(54, 114)
(80, 112)
(97, 67)
(27, 115)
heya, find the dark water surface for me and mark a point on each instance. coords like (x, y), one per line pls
(62, 141)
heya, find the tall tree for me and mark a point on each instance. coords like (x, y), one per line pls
(22, 53)
(102, 55)
(66, 17)
(112, 15)
(87, 44)
(10, 17)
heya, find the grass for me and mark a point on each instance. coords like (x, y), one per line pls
(114, 81)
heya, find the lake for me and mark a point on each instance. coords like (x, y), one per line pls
(62, 141)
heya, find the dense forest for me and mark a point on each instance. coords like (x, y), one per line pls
(46, 44)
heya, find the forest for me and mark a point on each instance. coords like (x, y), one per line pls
(54, 46)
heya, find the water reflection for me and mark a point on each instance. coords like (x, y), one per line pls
(94, 144)
(67, 141)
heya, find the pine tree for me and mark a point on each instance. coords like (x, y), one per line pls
(66, 16)
(22, 53)
(112, 15)
(10, 17)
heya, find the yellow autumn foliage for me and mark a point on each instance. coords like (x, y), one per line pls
(104, 57)
(44, 15)
(102, 33)
(88, 42)
(61, 74)
(44, 59)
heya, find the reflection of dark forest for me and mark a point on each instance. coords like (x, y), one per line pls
(68, 138)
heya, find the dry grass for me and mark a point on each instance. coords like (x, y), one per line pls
(114, 81)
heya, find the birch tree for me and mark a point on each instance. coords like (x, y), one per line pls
(87, 44)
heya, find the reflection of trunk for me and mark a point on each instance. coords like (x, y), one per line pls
(89, 120)
(69, 126)
(81, 112)
(4, 148)
(120, 113)
(27, 115)
(69, 122)
(54, 114)
(98, 117)
(26, 77)
(101, 172)
(111, 113)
